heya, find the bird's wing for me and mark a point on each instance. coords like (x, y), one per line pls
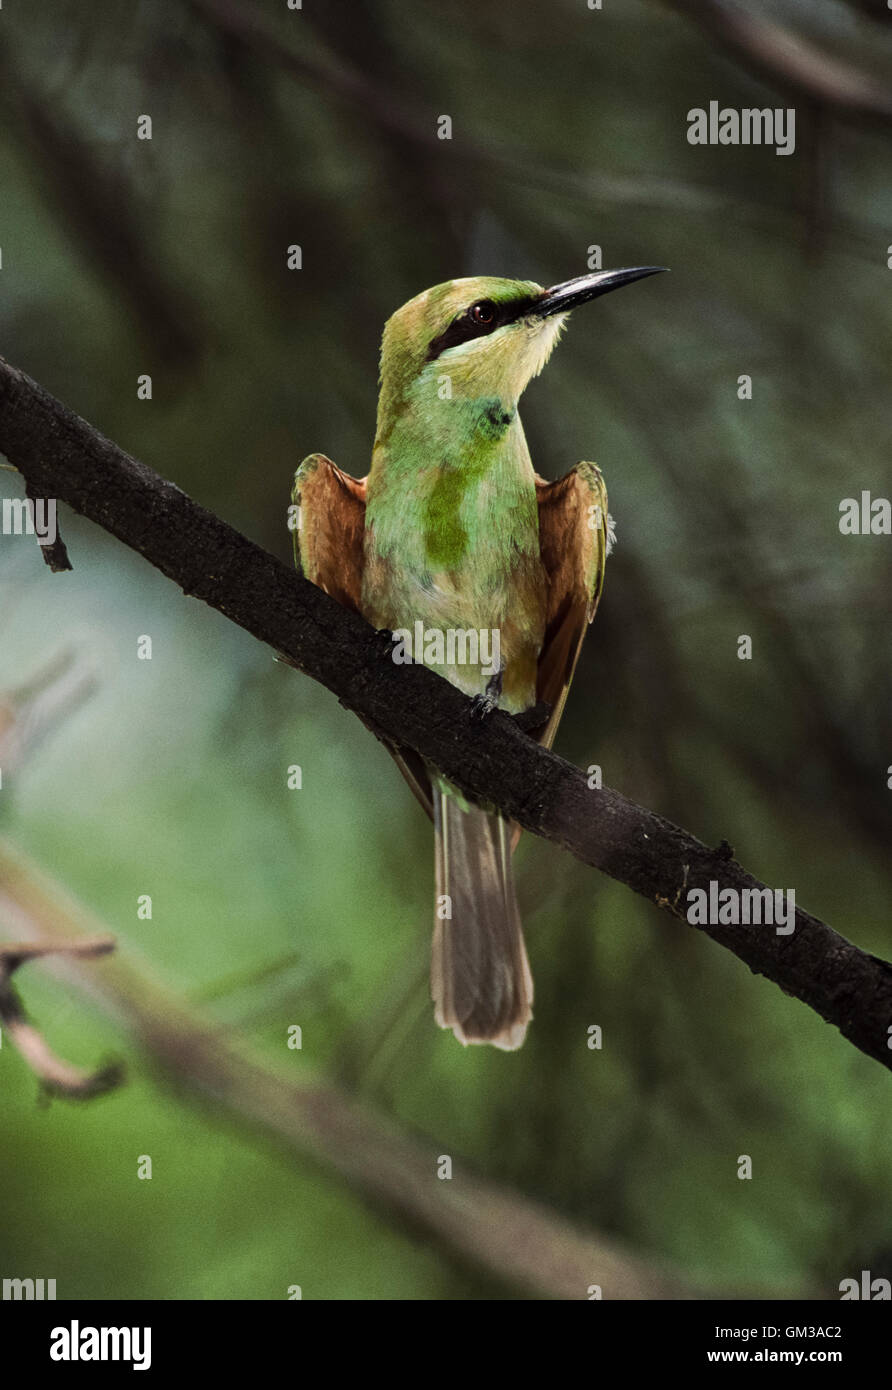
(574, 541)
(328, 549)
(330, 528)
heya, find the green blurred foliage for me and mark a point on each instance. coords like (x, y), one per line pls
(569, 131)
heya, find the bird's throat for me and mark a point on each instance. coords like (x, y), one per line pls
(458, 483)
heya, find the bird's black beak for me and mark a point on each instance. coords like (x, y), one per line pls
(561, 298)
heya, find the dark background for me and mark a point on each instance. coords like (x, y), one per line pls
(168, 257)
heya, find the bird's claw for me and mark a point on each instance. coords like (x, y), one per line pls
(483, 705)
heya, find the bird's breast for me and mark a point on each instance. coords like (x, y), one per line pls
(457, 554)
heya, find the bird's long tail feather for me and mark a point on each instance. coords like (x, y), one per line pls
(480, 977)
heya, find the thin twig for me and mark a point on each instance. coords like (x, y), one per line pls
(57, 1077)
(54, 552)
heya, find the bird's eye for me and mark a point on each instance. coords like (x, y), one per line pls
(482, 313)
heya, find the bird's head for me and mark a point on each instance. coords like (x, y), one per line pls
(481, 337)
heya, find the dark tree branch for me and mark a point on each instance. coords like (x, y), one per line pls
(62, 456)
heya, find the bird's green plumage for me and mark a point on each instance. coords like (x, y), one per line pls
(448, 532)
(452, 533)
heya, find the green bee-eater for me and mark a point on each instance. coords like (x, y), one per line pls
(454, 539)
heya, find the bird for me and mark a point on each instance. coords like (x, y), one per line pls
(452, 535)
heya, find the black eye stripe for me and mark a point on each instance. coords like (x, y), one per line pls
(463, 327)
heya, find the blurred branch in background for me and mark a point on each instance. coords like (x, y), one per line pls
(522, 1243)
(103, 214)
(62, 456)
(33, 709)
(455, 184)
(57, 1077)
(319, 68)
(787, 59)
(748, 567)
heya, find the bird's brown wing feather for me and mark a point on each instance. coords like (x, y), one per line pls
(328, 549)
(573, 540)
(330, 528)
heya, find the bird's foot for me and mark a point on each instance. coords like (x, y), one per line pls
(483, 705)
